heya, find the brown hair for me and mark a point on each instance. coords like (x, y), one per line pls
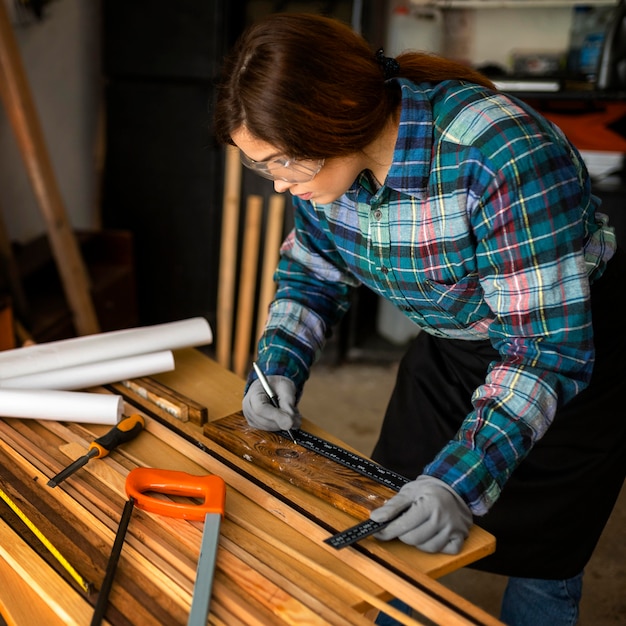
(312, 87)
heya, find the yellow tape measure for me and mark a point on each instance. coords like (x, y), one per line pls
(46, 543)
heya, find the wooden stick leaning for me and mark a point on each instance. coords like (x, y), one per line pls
(21, 111)
(271, 249)
(247, 285)
(228, 257)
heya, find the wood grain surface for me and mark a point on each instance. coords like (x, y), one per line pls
(272, 567)
(343, 487)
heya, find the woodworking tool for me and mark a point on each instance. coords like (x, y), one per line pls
(107, 583)
(360, 531)
(355, 533)
(46, 543)
(122, 432)
(271, 394)
(360, 464)
(363, 466)
(211, 489)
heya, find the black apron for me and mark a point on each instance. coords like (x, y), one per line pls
(554, 507)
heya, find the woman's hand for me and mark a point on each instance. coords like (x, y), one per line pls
(261, 413)
(435, 518)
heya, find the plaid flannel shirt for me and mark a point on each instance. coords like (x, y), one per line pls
(485, 228)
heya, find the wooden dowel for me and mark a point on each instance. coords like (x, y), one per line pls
(273, 238)
(247, 284)
(22, 113)
(228, 257)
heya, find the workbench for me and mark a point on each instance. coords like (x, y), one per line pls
(273, 566)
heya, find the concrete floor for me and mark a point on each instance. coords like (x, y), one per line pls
(349, 401)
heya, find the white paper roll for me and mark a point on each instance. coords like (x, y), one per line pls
(104, 346)
(66, 406)
(92, 374)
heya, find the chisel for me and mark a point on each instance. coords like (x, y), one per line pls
(211, 489)
(123, 431)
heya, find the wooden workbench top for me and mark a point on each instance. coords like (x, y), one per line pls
(273, 566)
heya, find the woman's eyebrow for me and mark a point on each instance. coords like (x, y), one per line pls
(267, 158)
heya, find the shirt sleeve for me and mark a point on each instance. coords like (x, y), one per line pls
(313, 293)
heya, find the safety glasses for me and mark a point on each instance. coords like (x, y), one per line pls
(288, 170)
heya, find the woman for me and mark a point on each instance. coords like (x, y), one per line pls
(474, 216)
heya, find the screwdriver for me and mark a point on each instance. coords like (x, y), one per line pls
(122, 432)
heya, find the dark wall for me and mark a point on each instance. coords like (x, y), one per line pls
(163, 173)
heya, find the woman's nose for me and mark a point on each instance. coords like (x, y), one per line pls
(280, 186)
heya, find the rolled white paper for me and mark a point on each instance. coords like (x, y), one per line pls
(104, 346)
(67, 406)
(92, 374)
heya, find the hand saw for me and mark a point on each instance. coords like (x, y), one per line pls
(212, 490)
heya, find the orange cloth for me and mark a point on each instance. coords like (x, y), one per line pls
(590, 131)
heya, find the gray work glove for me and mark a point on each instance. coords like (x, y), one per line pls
(261, 413)
(436, 520)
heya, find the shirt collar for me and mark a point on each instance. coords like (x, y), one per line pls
(410, 169)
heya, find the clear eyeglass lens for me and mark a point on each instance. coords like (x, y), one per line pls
(288, 170)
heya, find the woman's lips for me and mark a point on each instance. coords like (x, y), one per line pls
(305, 196)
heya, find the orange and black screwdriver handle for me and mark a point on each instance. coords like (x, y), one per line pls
(122, 432)
(211, 489)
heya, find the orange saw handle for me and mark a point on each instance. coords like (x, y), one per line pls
(210, 488)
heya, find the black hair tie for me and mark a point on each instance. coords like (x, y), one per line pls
(389, 65)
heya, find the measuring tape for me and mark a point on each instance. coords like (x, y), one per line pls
(359, 464)
(46, 543)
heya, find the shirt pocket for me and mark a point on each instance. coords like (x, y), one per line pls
(463, 300)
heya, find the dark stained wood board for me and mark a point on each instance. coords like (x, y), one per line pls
(344, 488)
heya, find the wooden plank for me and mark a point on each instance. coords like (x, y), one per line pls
(22, 113)
(19, 602)
(69, 606)
(342, 487)
(153, 395)
(422, 592)
(197, 413)
(198, 377)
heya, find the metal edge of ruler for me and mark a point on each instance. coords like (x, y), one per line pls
(352, 460)
(365, 467)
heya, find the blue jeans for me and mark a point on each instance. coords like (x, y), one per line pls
(527, 602)
(384, 620)
(538, 602)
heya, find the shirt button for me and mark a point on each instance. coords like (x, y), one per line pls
(378, 214)
(384, 270)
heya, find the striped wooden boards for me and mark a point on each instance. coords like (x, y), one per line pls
(272, 565)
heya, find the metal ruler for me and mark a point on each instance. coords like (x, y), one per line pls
(359, 464)
(355, 533)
